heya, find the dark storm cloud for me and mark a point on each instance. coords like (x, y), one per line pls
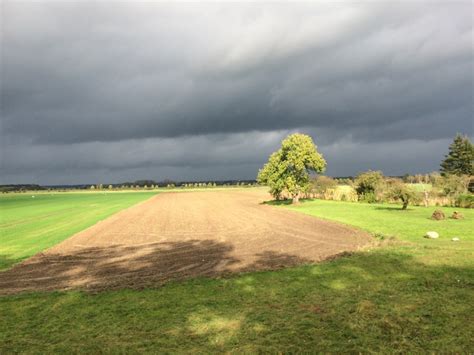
(210, 157)
(152, 88)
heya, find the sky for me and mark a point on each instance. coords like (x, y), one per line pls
(107, 92)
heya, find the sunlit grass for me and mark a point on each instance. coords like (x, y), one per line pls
(390, 221)
(420, 187)
(31, 222)
(381, 301)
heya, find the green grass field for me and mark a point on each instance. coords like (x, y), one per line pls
(419, 187)
(407, 295)
(391, 220)
(31, 224)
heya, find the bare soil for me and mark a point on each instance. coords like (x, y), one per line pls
(174, 236)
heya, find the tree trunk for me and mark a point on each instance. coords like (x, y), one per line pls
(405, 205)
(425, 199)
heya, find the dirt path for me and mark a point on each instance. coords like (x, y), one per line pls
(180, 235)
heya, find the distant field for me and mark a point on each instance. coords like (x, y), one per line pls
(30, 224)
(421, 187)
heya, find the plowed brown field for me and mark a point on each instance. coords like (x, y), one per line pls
(179, 235)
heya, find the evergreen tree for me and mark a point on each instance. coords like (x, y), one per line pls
(460, 158)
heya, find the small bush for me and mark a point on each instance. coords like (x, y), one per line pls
(368, 197)
(366, 185)
(465, 201)
(397, 190)
(453, 185)
(322, 184)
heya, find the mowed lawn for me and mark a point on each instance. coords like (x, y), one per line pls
(408, 294)
(30, 224)
(389, 220)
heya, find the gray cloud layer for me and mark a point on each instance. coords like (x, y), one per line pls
(152, 90)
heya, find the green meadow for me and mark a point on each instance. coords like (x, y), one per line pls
(390, 220)
(31, 222)
(405, 294)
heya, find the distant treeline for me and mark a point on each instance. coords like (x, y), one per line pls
(143, 184)
(342, 180)
(134, 184)
(22, 187)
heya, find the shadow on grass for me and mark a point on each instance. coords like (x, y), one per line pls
(6, 262)
(286, 202)
(393, 208)
(136, 267)
(372, 302)
(277, 202)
